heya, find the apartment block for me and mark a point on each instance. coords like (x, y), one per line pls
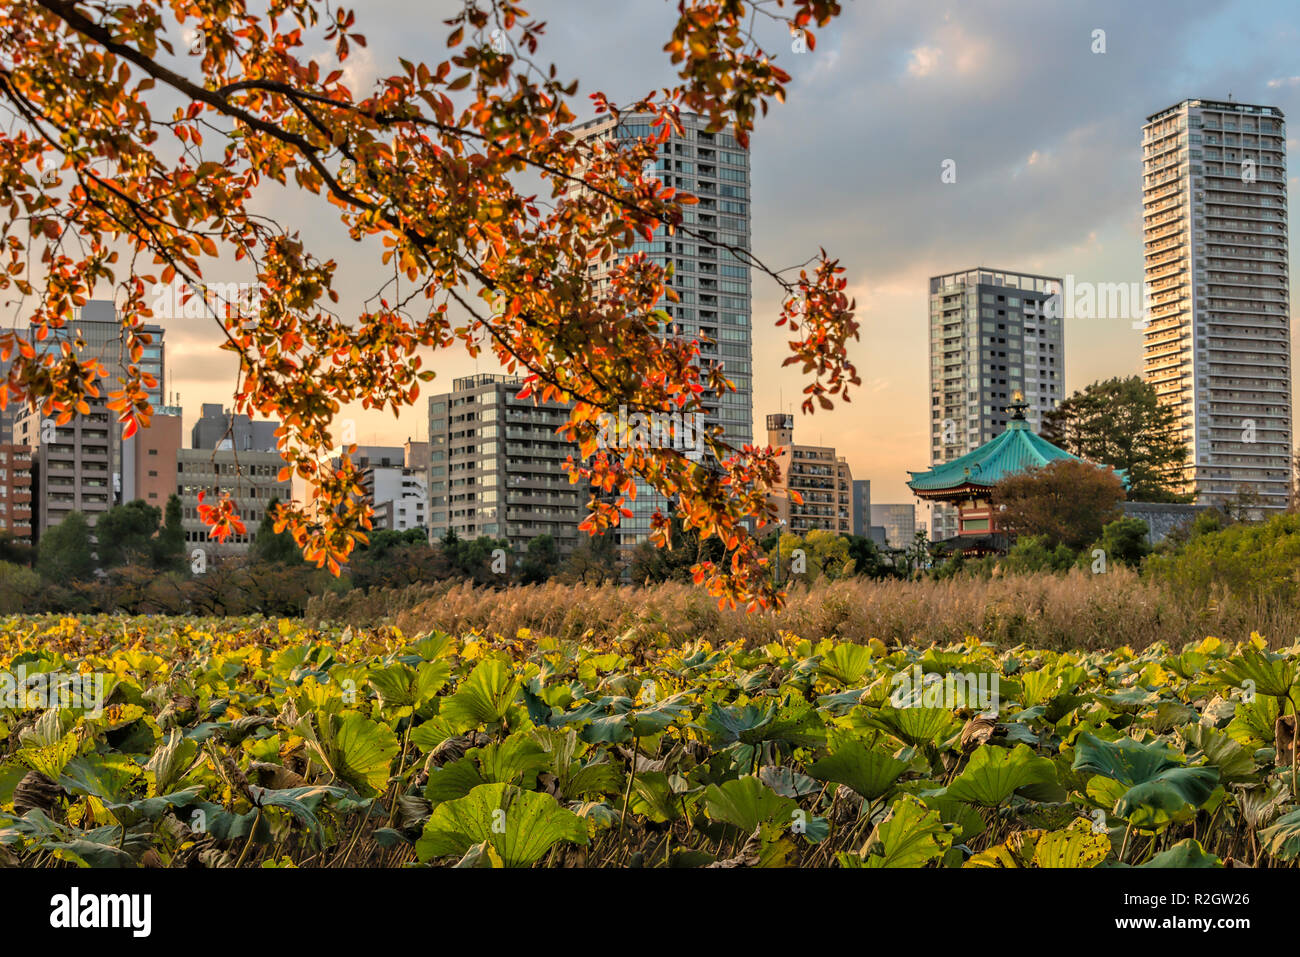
(992, 333)
(496, 465)
(1217, 341)
(251, 478)
(712, 280)
(820, 476)
(16, 492)
(72, 464)
(397, 492)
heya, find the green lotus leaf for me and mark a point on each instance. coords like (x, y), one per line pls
(1075, 847)
(1186, 853)
(846, 663)
(170, 762)
(916, 726)
(361, 752)
(453, 780)
(301, 802)
(1235, 763)
(746, 803)
(484, 698)
(911, 836)
(994, 774)
(1159, 788)
(1265, 673)
(520, 826)
(1282, 839)
(870, 772)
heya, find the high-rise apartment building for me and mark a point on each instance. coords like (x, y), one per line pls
(72, 464)
(97, 325)
(1218, 333)
(992, 332)
(496, 465)
(712, 281)
(822, 479)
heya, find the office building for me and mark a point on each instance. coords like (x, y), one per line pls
(90, 467)
(1217, 341)
(496, 465)
(822, 479)
(219, 428)
(992, 333)
(251, 478)
(712, 281)
(397, 492)
(898, 521)
(862, 526)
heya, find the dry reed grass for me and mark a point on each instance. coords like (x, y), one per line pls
(1077, 610)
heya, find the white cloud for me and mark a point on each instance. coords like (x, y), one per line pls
(924, 61)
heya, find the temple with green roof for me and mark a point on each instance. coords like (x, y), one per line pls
(967, 482)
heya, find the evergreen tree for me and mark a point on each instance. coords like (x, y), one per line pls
(65, 554)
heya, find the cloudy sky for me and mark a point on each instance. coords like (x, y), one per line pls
(1044, 132)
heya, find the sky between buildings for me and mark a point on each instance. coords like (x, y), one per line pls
(1044, 132)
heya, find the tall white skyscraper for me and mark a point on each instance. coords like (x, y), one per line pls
(992, 333)
(1218, 338)
(712, 281)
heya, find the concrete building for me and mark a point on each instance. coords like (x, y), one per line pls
(1218, 334)
(862, 526)
(713, 282)
(898, 521)
(822, 479)
(251, 478)
(992, 332)
(217, 426)
(155, 457)
(496, 465)
(396, 491)
(72, 464)
(16, 492)
(61, 485)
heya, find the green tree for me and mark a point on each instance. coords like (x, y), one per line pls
(540, 560)
(1121, 423)
(1124, 541)
(868, 560)
(1036, 553)
(124, 534)
(1068, 501)
(272, 546)
(169, 546)
(64, 553)
(594, 561)
(19, 588)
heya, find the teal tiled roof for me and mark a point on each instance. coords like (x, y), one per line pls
(1015, 450)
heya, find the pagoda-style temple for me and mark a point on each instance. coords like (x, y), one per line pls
(967, 482)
